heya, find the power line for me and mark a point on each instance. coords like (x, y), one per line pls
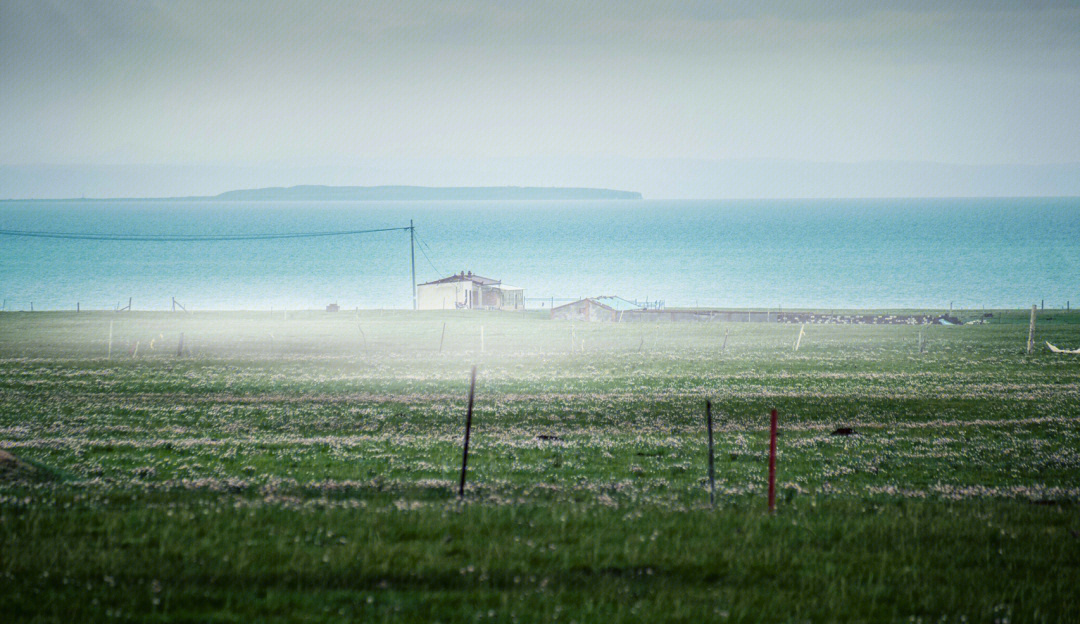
(423, 246)
(189, 238)
(193, 238)
(426, 257)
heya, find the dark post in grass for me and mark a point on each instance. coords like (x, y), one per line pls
(712, 471)
(468, 429)
(180, 346)
(443, 337)
(772, 463)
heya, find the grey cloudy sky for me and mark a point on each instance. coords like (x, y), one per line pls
(325, 84)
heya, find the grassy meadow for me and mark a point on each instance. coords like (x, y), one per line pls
(304, 467)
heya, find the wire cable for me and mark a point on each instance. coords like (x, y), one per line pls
(426, 257)
(189, 238)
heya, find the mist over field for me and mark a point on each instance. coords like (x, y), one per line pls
(424, 311)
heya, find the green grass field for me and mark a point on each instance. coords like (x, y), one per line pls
(305, 469)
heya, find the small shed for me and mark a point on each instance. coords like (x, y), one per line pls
(468, 291)
(606, 308)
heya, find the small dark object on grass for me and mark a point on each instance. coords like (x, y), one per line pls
(1044, 501)
(656, 454)
(19, 470)
(843, 431)
(12, 466)
(548, 437)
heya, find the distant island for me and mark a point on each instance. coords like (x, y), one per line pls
(421, 193)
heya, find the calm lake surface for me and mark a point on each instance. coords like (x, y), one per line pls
(791, 253)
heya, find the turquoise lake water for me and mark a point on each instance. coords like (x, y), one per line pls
(790, 253)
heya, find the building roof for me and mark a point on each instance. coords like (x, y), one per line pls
(464, 277)
(617, 304)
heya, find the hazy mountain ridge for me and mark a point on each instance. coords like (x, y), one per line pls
(653, 178)
(422, 193)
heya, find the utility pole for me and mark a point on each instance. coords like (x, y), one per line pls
(412, 258)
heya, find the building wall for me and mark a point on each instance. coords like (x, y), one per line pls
(646, 316)
(441, 296)
(584, 310)
(467, 294)
(495, 298)
(513, 299)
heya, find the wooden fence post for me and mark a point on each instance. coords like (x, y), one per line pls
(180, 347)
(798, 341)
(468, 430)
(712, 471)
(1031, 332)
(723, 347)
(772, 462)
(443, 337)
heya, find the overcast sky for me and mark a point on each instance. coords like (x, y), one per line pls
(320, 84)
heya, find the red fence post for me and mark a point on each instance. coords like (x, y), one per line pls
(772, 463)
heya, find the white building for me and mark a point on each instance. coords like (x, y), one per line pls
(466, 291)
